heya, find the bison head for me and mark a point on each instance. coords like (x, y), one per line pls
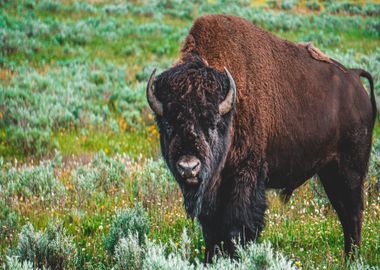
(194, 104)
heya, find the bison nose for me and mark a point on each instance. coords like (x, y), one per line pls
(188, 166)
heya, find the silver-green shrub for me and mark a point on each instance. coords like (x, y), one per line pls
(32, 180)
(150, 255)
(262, 256)
(321, 38)
(360, 265)
(128, 221)
(101, 174)
(350, 7)
(253, 256)
(110, 170)
(8, 219)
(157, 258)
(13, 263)
(84, 181)
(129, 254)
(154, 178)
(50, 5)
(52, 248)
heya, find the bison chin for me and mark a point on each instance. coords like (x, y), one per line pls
(198, 200)
(193, 202)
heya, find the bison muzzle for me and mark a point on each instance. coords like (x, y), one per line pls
(243, 111)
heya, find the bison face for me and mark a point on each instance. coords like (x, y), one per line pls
(194, 106)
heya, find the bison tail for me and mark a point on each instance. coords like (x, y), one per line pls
(367, 75)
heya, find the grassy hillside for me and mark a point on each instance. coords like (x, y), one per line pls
(81, 172)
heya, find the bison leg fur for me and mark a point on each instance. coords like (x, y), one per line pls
(348, 203)
(244, 214)
(213, 236)
(239, 220)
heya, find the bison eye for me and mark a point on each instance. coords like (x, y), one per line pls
(208, 124)
(168, 129)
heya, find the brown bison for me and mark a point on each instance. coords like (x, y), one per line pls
(243, 111)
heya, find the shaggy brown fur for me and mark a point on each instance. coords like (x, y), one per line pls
(295, 116)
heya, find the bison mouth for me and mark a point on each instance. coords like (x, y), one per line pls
(195, 194)
(192, 181)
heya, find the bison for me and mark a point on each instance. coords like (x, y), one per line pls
(243, 111)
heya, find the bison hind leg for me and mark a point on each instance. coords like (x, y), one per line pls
(347, 201)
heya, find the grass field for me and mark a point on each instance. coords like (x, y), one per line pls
(82, 184)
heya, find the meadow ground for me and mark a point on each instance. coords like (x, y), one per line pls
(81, 179)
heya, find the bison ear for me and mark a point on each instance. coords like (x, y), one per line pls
(227, 104)
(154, 103)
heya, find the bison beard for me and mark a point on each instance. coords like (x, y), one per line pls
(243, 111)
(193, 198)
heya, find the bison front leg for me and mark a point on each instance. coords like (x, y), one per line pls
(213, 236)
(239, 217)
(244, 214)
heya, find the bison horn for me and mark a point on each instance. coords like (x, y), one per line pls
(154, 103)
(226, 105)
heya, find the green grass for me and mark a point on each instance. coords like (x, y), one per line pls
(304, 226)
(135, 144)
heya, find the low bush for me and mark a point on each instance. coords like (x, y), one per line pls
(132, 254)
(253, 256)
(103, 173)
(129, 253)
(37, 181)
(9, 219)
(320, 38)
(49, 249)
(313, 5)
(13, 263)
(352, 8)
(154, 179)
(133, 221)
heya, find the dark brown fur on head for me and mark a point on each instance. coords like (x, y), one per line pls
(192, 125)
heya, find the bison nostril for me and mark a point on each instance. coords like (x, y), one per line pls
(188, 166)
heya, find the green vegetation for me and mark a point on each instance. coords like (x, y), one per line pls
(81, 182)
